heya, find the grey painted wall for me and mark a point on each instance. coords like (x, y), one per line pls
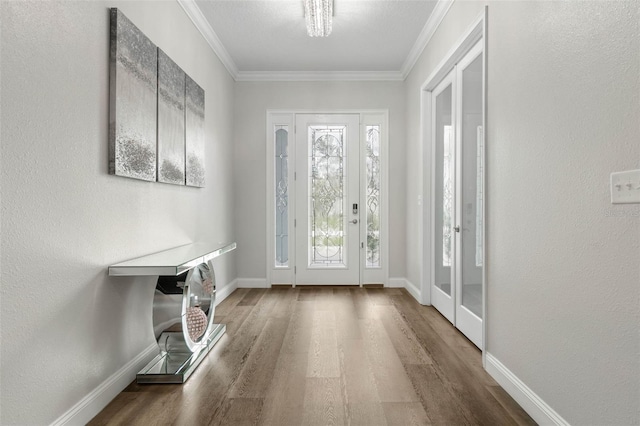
(252, 101)
(563, 271)
(66, 326)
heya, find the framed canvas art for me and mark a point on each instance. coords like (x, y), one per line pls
(171, 121)
(194, 134)
(133, 81)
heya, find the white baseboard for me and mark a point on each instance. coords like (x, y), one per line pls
(252, 283)
(89, 406)
(225, 291)
(405, 283)
(539, 410)
(397, 283)
(414, 291)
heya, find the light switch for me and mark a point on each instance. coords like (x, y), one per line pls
(625, 187)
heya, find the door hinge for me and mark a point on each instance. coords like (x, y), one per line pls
(295, 175)
(295, 222)
(295, 270)
(361, 245)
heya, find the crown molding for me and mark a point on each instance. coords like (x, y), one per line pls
(319, 76)
(197, 17)
(439, 12)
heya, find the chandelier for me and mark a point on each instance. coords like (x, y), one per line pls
(318, 14)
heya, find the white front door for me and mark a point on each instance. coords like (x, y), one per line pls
(327, 208)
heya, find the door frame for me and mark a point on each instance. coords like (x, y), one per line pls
(286, 275)
(475, 33)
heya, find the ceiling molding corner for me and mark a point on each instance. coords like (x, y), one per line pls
(197, 17)
(439, 12)
(319, 76)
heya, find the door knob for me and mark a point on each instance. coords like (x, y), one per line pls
(456, 228)
(354, 221)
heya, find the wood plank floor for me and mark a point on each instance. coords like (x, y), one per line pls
(327, 356)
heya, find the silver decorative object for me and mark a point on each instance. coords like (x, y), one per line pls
(185, 336)
(183, 325)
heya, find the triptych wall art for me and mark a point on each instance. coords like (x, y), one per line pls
(156, 112)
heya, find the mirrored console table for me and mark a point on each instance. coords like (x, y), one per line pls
(183, 307)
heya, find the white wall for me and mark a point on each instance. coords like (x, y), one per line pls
(563, 270)
(66, 326)
(252, 101)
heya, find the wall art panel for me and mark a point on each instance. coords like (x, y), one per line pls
(133, 101)
(195, 134)
(171, 121)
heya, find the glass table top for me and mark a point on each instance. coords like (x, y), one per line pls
(174, 261)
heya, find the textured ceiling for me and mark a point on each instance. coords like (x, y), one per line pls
(270, 35)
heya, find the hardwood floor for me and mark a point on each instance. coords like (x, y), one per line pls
(327, 356)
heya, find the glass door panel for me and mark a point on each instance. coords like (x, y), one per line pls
(444, 197)
(326, 201)
(372, 197)
(282, 196)
(469, 195)
(471, 171)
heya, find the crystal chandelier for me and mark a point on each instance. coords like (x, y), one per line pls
(318, 14)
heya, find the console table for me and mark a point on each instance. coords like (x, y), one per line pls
(183, 307)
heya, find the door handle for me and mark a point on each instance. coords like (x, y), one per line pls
(354, 221)
(456, 228)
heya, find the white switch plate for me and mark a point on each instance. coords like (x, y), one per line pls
(625, 187)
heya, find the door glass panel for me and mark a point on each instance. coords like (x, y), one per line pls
(373, 196)
(282, 196)
(444, 214)
(327, 179)
(471, 157)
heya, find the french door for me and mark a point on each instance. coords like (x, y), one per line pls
(326, 198)
(457, 134)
